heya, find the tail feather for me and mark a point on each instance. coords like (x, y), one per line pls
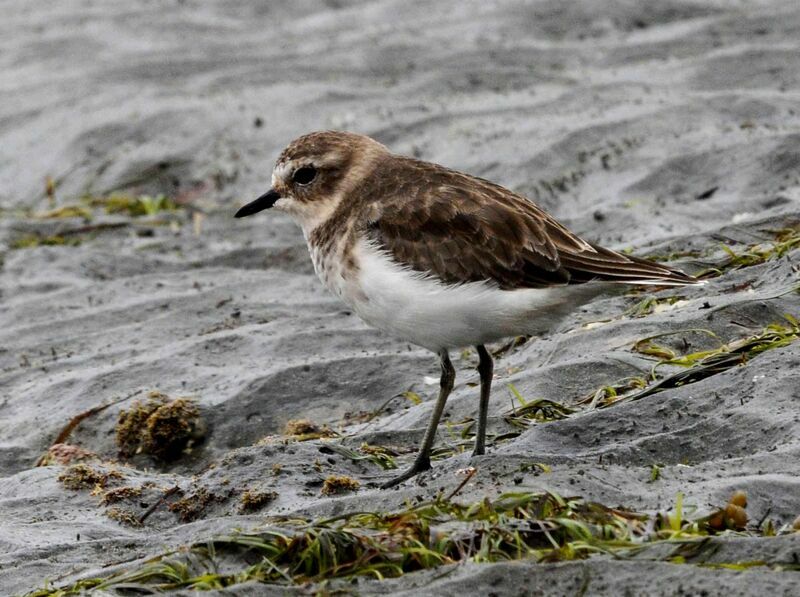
(611, 266)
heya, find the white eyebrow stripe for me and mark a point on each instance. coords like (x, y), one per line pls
(282, 171)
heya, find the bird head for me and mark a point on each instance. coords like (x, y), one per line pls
(315, 173)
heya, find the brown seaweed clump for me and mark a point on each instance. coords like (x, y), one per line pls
(123, 517)
(304, 429)
(339, 484)
(253, 500)
(118, 494)
(190, 508)
(131, 423)
(83, 476)
(160, 427)
(300, 427)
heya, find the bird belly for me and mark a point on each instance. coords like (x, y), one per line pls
(423, 310)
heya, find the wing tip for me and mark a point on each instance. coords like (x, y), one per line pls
(662, 282)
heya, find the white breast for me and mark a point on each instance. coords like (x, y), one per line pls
(434, 315)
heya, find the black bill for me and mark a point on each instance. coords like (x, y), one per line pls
(266, 201)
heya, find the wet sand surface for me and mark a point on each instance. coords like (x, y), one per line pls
(667, 128)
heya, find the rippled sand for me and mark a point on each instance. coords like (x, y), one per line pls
(664, 127)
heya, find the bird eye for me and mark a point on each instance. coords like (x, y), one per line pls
(304, 175)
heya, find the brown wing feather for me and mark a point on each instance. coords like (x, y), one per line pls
(460, 229)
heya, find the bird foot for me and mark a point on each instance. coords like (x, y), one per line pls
(416, 468)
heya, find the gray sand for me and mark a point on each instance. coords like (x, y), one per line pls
(661, 126)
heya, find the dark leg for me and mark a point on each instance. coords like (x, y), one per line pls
(486, 370)
(423, 460)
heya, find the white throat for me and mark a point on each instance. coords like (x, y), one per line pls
(308, 215)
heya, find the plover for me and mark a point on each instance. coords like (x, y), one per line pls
(436, 257)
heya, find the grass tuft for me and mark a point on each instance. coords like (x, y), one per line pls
(135, 206)
(697, 365)
(66, 211)
(539, 410)
(607, 395)
(382, 456)
(785, 241)
(30, 241)
(651, 304)
(655, 473)
(73, 590)
(543, 527)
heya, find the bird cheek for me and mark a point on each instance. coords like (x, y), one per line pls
(284, 204)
